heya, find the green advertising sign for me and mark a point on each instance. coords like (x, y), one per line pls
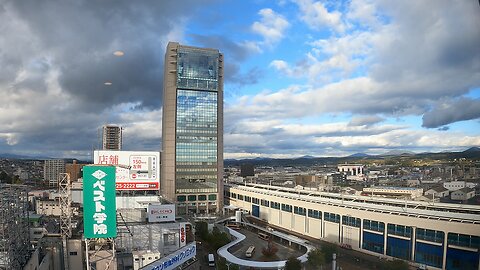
(99, 209)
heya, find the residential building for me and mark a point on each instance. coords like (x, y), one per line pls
(52, 168)
(112, 137)
(192, 128)
(74, 170)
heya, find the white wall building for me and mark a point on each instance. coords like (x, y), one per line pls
(442, 236)
(456, 185)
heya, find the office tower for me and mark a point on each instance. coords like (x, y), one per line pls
(192, 138)
(112, 137)
(51, 169)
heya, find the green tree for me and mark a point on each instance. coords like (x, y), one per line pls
(222, 264)
(201, 229)
(328, 250)
(395, 265)
(293, 264)
(316, 259)
(5, 178)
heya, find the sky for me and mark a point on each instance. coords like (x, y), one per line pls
(302, 77)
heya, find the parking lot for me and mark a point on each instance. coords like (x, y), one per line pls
(284, 250)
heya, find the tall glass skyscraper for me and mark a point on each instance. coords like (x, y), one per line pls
(192, 131)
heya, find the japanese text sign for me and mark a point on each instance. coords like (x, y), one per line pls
(99, 209)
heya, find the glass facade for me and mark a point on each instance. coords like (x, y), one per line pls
(197, 69)
(196, 121)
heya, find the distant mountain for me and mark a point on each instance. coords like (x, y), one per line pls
(306, 157)
(360, 155)
(399, 153)
(472, 149)
(14, 156)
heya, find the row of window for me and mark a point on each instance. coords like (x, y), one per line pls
(351, 221)
(430, 235)
(463, 240)
(192, 198)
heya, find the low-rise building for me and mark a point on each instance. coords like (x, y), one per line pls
(456, 185)
(462, 194)
(438, 191)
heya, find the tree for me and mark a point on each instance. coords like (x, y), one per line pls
(328, 250)
(222, 265)
(316, 258)
(293, 264)
(270, 250)
(201, 228)
(5, 178)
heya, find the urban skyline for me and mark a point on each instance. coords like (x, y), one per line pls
(302, 77)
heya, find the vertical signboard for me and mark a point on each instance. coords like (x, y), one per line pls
(183, 234)
(99, 209)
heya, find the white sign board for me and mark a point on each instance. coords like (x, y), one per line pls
(135, 170)
(174, 260)
(161, 212)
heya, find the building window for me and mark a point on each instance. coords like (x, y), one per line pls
(234, 195)
(373, 225)
(286, 208)
(314, 214)
(212, 197)
(265, 203)
(248, 199)
(399, 230)
(331, 217)
(275, 205)
(240, 197)
(192, 198)
(181, 198)
(299, 210)
(430, 235)
(202, 197)
(255, 200)
(351, 221)
(73, 253)
(463, 240)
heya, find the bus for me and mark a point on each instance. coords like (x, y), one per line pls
(234, 226)
(263, 236)
(250, 251)
(211, 260)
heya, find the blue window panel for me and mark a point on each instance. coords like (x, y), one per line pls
(399, 248)
(431, 255)
(256, 210)
(373, 242)
(458, 259)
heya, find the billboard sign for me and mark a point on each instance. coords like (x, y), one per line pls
(174, 260)
(135, 170)
(161, 212)
(99, 209)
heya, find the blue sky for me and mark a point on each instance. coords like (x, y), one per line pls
(303, 77)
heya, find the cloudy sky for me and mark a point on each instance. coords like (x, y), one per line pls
(303, 77)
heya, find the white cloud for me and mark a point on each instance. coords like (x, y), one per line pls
(271, 26)
(317, 16)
